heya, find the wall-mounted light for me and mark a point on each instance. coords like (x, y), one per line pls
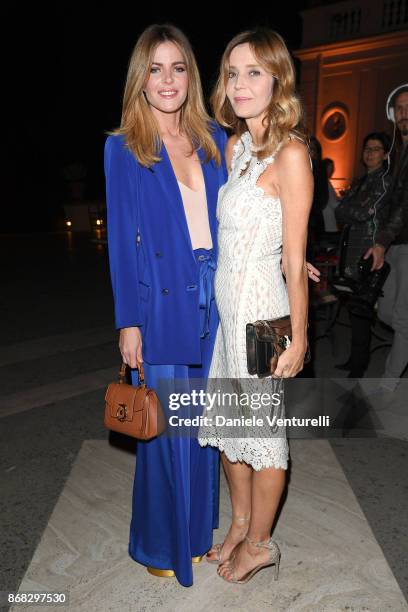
(68, 223)
(99, 222)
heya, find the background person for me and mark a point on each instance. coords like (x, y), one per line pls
(329, 217)
(320, 195)
(393, 238)
(363, 208)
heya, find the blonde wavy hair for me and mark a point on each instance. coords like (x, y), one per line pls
(284, 115)
(138, 124)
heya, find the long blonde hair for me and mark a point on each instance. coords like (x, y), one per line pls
(284, 115)
(138, 124)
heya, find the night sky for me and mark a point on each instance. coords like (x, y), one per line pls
(66, 70)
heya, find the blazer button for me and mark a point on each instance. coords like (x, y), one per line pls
(165, 291)
(159, 254)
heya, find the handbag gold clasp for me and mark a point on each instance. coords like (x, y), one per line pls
(121, 412)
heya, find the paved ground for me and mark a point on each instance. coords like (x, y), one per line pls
(57, 351)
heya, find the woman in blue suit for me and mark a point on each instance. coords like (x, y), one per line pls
(164, 167)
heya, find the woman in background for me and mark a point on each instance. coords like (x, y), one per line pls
(320, 196)
(329, 217)
(364, 209)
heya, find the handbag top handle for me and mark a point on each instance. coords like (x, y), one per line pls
(122, 373)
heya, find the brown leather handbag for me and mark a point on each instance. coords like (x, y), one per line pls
(265, 342)
(133, 411)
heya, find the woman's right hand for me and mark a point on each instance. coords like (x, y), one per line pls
(130, 346)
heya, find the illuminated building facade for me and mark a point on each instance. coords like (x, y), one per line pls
(354, 54)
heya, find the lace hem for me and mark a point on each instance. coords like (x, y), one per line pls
(258, 457)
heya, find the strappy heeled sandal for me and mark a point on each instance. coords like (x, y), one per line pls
(274, 559)
(217, 548)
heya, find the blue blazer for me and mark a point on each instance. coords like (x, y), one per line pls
(154, 273)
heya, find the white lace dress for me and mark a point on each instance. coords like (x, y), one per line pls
(248, 286)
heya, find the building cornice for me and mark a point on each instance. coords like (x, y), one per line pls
(355, 45)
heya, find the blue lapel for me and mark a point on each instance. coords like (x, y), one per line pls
(165, 174)
(211, 188)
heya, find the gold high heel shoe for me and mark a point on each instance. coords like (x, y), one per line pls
(274, 559)
(169, 573)
(217, 548)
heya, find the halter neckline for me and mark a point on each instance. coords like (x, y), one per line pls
(248, 146)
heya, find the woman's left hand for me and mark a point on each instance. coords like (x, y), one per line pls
(312, 272)
(290, 362)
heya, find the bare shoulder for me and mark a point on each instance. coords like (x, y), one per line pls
(232, 140)
(295, 177)
(293, 153)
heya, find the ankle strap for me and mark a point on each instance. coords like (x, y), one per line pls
(263, 544)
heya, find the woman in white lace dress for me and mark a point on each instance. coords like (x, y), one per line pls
(263, 213)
